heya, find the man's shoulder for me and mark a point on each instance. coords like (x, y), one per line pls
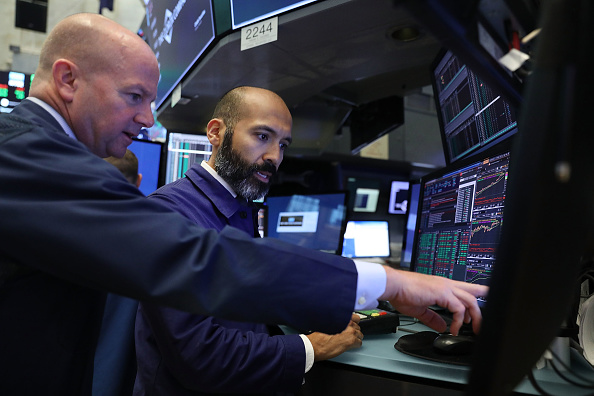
(12, 125)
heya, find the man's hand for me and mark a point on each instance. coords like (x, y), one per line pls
(412, 293)
(328, 346)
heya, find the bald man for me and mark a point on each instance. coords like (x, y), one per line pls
(69, 221)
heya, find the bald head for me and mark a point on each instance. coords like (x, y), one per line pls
(101, 78)
(238, 102)
(93, 42)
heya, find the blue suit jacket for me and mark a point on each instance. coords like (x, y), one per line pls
(68, 228)
(187, 354)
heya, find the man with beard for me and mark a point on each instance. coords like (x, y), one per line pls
(185, 354)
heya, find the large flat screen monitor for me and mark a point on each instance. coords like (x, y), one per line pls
(364, 238)
(472, 115)
(178, 32)
(316, 221)
(149, 156)
(245, 12)
(183, 150)
(460, 215)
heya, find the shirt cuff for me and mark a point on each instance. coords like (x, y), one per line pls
(309, 352)
(371, 284)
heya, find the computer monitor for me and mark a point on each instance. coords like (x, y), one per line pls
(399, 197)
(149, 155)
(459, 219)
(14, 87)
(364, 238)
(472, 115)
(183, 150)
(414, 192)
(316, 221)
(179, 34)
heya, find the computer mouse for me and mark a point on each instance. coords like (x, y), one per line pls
(448, 344)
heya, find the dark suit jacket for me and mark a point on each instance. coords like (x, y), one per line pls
(67, 230)
(183, 354)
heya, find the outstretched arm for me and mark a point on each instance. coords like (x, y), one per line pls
(412, 294)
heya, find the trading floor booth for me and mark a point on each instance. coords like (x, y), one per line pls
(513, 207)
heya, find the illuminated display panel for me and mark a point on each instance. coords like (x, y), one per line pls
(178, 32)
(149, 163)
(315, 221)
(472, 114)
(245, 12)
(460, 216)
(14, 87)
(363, 238)
(183, 150)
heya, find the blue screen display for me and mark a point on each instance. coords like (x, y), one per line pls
(149, 162)
(315, 221)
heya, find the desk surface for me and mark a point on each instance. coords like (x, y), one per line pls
(378, 353)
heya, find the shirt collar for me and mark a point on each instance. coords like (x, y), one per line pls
(54, 114)
(214, 174)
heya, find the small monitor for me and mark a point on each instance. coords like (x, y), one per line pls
(411, 224)
(399, 197)
(366, 200)
(14, 87)
(315, 221)
(183, 150)
(460, 215)
(149, 163)
(472, 115)
(366, 239)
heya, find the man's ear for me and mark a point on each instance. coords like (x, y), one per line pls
(65, 75)
(215, 130)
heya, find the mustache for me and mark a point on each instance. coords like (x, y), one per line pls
(265, 167)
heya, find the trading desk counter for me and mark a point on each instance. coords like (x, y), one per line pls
(377, 368)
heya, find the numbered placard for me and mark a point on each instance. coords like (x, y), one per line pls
(259, 33)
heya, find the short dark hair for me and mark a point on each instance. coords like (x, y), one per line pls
(128, 165)
(229, 107)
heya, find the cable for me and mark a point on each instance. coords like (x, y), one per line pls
(558, 360)
(536, 386)
(539, 389)
(567, 379)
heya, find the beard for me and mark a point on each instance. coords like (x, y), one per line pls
(239, 173)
